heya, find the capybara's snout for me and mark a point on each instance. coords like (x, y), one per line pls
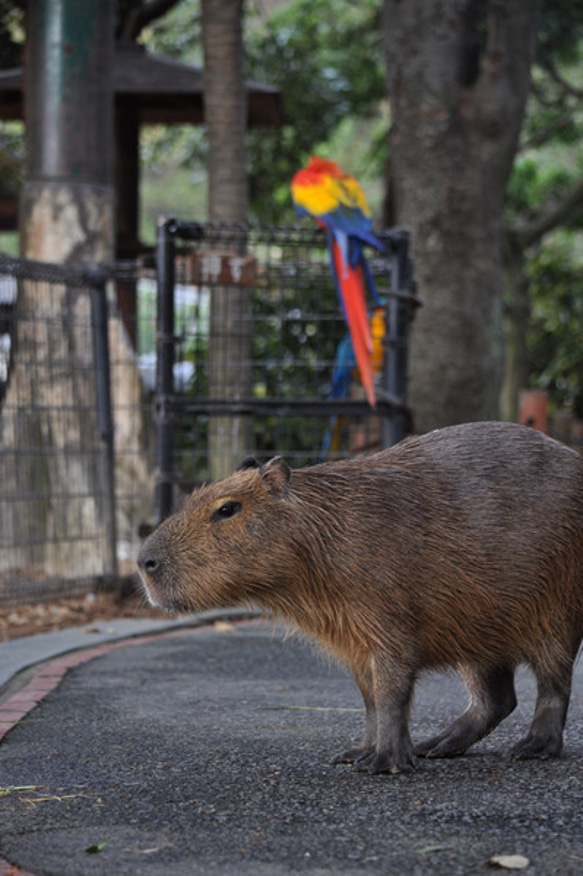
(151, 565)
(148, 561)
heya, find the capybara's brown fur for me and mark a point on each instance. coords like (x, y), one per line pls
(461, 548)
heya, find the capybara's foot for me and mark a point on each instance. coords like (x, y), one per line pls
(493, 698)
(352, 755)
(445, 744)
(386, 762)
(537, 746)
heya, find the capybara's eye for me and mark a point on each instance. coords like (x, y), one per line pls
(226, 510)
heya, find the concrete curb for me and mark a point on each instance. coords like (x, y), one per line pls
(18, 655)
(57, 654)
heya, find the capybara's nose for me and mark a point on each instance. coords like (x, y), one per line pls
(148, 563)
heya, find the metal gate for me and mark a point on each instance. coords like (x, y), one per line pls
(57, 495)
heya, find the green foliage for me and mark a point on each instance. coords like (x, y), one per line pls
(554, 340)
(534, 184)
(11, 33)
(326, 58)
(560, 30)
(546, 170)
(176, 34)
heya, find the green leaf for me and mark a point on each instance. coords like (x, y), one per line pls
(10, 789)
(95, 849)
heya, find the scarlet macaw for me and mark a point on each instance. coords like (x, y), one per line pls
(337, 202)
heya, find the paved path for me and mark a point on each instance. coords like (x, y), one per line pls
(208, 751)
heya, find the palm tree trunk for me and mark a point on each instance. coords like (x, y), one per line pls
(231, 324)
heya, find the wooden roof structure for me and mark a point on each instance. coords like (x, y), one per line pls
(165, 91)
(148, 89)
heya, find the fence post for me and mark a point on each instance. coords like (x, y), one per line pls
(164, 475)
(395, 363)
(99, 321)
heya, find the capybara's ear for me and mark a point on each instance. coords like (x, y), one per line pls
(248, 462)
(275, 474)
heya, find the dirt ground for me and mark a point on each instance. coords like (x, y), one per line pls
(44, 617)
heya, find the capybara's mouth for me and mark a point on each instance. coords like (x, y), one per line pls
(172, 604)
(149, 591)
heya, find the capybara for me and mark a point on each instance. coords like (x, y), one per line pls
(461, 548)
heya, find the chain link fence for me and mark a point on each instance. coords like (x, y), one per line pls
(70, 505)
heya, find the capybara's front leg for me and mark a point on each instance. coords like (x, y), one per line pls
(364, 680)
(392, 691)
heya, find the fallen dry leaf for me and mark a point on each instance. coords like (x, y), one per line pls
(508, 862)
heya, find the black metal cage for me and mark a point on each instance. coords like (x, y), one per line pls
(265, 302)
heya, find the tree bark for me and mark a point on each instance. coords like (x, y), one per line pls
(66, 214)
(516, 322)
(230, 324)
(48, 424)
(457, 109)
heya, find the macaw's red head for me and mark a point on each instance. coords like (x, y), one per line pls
(321, 187)
(316, 170)
(318, 188)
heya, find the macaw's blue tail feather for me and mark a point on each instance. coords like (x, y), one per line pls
(370, 282)
(344, 365)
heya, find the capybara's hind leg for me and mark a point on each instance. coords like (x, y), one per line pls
(492, 699)
(545, 737)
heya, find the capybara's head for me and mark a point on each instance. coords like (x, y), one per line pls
(224, 545)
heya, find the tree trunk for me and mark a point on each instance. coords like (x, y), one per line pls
(231, 324)
(458, 78)
(48, 424)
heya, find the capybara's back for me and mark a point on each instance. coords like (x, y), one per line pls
(462, 548)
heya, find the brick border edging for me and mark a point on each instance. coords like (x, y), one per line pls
(7, 869)
(49, 676)
(52, 672)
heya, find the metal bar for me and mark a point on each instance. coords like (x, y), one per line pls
(164, 474)
(395, 364)
(99, 321)
(386, 407)
(69, 91)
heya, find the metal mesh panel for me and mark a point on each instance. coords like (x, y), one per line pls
(275, 286)
(62, 529)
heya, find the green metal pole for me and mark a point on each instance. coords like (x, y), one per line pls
(69, 115)
(67, 201)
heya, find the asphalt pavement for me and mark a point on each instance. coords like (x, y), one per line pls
(208, 750)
